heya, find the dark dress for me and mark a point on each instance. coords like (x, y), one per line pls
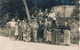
(40, 31)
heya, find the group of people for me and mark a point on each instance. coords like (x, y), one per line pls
(43, 26)
(19, 30)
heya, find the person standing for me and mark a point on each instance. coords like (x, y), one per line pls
(40, 31)
(20, 30)
(52, 16)
(56, 33)
(49, 32)
(46, 13)
(66, 29)
(23, 28)
(12, 28)
(8, 25)
(40, 15)
(35, 15)
(45, 28)
(16, 31)
(35, 29)
(31, 26)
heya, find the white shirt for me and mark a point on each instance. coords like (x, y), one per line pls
(12, 23)
(40, 14)
(52, 15)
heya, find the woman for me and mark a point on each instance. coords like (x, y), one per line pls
(46, 13)
(40, 15)
(66, 34)
(16, 31)
(40, 31)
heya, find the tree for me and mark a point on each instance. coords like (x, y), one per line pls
(27, 11)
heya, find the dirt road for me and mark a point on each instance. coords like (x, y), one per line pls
(7, 44)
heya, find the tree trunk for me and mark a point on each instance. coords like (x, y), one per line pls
(27, 11)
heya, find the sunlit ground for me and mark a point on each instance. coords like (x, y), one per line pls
(7, 44)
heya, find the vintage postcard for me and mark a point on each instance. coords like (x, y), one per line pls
(39, 25)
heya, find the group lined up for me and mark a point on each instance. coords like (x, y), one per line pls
(42, 26)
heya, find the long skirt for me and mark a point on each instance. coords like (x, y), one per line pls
(45, 31)
(49, 36)
(66, 37)
(40, 32)
(35, 35)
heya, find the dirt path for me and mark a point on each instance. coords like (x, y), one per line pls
(7, 44)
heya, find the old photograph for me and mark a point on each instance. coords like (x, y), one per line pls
(39, 25)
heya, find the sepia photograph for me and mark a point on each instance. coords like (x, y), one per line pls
(39, 24)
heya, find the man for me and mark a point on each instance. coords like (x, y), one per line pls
(45, 28)
(49, 32)
(46, 13)
(35, 15)
(31, 26)
(12, 28)
(56, 33)
(23, 28)
(52, 16)
(40, 15)
(20, 30)
(35, 29)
